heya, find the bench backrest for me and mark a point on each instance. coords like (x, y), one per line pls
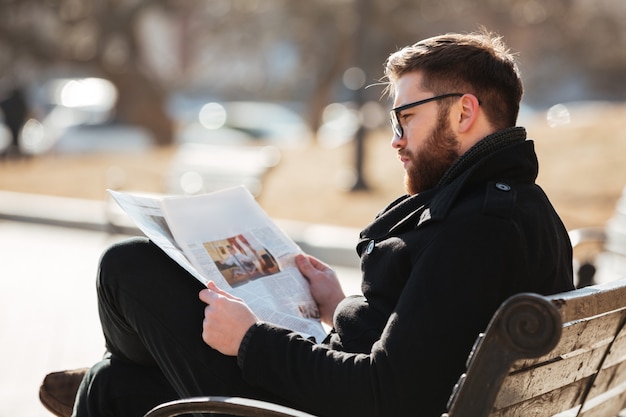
(542, 356)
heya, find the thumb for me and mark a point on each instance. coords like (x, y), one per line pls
(311, 264)
(304, 264)
(212, 287)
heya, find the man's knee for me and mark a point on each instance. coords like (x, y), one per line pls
(136, 267)
(121, 254)
(125, 258)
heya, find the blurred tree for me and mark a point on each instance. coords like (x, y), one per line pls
(98, 38)
(363, 11)
(298, 51)
(275, 49)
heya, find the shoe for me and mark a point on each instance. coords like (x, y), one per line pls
(58, 391)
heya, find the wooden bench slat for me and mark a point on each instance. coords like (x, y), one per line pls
(549, 403)
(578, 355)
(580, 334)
(609, 378)
(618, 349)
(533, 382)
(590, 301)
(569, 396)
(609, 403)
(613, 372)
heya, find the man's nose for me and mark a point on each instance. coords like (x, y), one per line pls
(397, 142)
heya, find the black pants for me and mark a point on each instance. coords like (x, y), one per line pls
(152, 322)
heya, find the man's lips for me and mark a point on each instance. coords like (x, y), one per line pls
(403, 158)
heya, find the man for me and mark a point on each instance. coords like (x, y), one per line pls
(472, 230)
(14, 111)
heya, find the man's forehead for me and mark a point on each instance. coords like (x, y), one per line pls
(408, 85)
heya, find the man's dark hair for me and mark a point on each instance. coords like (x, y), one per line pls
(478, 63)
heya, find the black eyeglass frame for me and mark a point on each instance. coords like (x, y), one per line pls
(394, 114)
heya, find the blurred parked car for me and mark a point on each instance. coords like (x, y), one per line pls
(102, 138)
(257, 123)
(75, 115)
(232, 143)
(200, 168)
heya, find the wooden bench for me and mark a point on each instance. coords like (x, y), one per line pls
(542, 356)
(562, 355)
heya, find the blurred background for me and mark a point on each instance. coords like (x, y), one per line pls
(282, 96)
(188, 96)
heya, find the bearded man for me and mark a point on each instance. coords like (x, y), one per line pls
(472, 230)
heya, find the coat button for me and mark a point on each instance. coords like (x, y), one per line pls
(370, 247)
(503, 187)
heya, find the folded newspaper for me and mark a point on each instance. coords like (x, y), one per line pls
(226, 237)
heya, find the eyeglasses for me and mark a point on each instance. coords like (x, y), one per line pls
(395, 112)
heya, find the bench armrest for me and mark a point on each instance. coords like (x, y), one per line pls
(525, 326)
(233, 406)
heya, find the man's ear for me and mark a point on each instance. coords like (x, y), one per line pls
(468, 114)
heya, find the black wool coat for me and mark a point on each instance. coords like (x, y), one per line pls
(435, 268)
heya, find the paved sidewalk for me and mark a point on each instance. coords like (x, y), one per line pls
(48, 314)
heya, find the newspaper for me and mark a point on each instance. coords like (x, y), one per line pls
(226, 237)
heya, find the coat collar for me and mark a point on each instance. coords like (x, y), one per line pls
(408, 212)
(505, 154)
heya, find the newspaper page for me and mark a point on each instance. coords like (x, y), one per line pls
(226, 237)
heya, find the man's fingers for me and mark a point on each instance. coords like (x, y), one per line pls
(213, 292)
(310, 264)
(319, 265)
(205, 296)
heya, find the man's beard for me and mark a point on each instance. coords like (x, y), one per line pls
(433, 159)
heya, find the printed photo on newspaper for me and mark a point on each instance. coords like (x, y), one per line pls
(226, 237)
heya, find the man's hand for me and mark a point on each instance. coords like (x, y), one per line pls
(226, 320)
(325, 287)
